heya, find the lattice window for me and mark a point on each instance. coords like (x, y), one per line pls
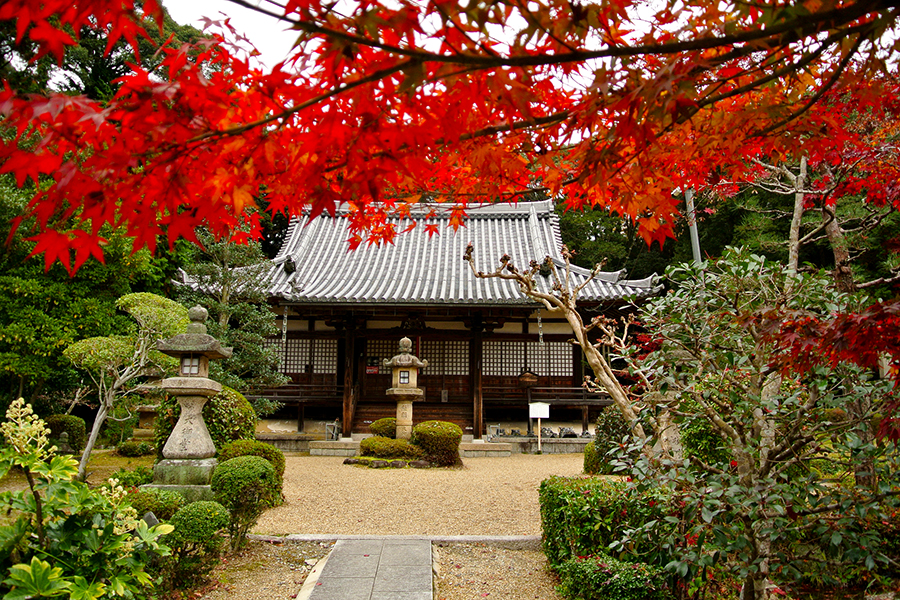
(324, 356)
(377, 351)
(296, 356)
(550, 359)
(503, 358)
(445, 357)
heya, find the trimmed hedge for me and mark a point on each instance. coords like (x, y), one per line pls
(228, 416)
(611, 428)
(583, 516)
(602, 577)
(246, 486)
(134, 448)
(196, 544)
(383, 447)
(162, 503)
(256, 448)
(439, 440)
(72, 425)
(386, 427)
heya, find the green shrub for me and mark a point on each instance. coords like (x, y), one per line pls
(700, 440)
(383, 447)
(256, 448)
(196, 544)
(611, 430)
(602, 577)
(386, 427)
(134, 448)
(439, 440)
(72, 425)
(133, 478)
(228, 416)
(162, 503)
(584, 516)
(246, 486)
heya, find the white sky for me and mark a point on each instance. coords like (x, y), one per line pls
(266, 33)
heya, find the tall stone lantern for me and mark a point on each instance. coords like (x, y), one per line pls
(405, 370)
(189, 451)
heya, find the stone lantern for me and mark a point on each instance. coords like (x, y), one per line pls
(405, 373)
(189, 451)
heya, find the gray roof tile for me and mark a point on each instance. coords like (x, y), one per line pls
(418, 269)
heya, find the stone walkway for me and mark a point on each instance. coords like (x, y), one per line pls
(373, 569)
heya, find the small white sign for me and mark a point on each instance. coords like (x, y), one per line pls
(539, 410)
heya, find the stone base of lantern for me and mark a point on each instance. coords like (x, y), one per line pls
(188, 477)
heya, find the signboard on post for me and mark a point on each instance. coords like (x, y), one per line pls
(539, 410)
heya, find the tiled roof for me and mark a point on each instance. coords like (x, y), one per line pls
(422, 269)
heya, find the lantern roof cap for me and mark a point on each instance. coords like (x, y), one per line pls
(195, 340)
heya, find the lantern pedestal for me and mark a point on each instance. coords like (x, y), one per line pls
(405, 399)
(190, 438)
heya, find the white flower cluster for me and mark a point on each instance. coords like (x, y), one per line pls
(25, 431)
(125, 517)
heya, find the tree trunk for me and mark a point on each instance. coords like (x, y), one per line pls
(102, 411)
(843, 277)
(794, 237)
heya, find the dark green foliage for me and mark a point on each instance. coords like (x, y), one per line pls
(602, 577)
(228, 416)
(583, 516)
(386, 427)
(611, 431)
(383, 447)
(196, 544)
(135, 478)
(162, 503)
(256, 448)
(439, 440)
(246, 486)
(134, 448)
(700, 441)
(228, 278)
(72, 425)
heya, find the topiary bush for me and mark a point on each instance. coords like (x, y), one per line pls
(386, 427)
(439, 440)
(72, 425)
(228, 416)
(383, 447)
(162, 503)
(196, 544)
(257, 448)
(246, 486)
(611, 429)
(133, 478)
(583, 516)
(602, 577)
(134, 448)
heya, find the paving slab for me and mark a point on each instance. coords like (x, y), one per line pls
(374, 569)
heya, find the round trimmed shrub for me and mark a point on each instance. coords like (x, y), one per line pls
(383, 447)
(72, 425)
(196, 544)
(611, 429)
(134, 448)
(256, 448)
(228, 416)
(386, 427)
(246, 486)
(162, 503)
(439, 440)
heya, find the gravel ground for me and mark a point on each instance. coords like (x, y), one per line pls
(487, 496)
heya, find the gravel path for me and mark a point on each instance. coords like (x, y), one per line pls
(487, 496)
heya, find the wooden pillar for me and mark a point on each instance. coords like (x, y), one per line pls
(349, 400)
(475, 367)
(300, 417)
(585, 418)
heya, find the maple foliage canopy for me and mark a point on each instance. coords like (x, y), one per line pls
(617, 103)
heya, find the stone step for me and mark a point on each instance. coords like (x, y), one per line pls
(483, 450)
(333, 448)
